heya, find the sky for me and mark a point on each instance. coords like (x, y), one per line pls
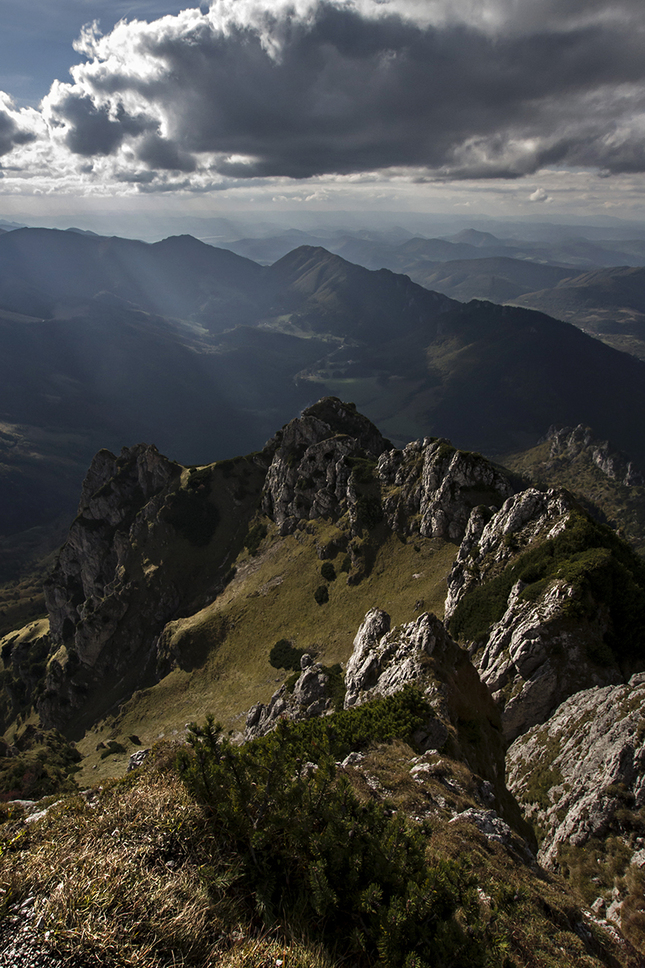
(511, 108)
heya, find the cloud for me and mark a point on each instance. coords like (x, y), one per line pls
(15, 130)
(95, 129)
(539, 195)
(254, 90)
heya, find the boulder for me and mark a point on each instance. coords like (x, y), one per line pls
(307, 698)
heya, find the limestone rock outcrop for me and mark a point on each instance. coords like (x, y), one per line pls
(536, 656)
(384, 660)
(545, 646)
(312, 471)
(332, 461)
(492, 539)
(429, 488)
(571, 443)
(465, 723)
(419, 653)
(581, 774)
(100, 576)
(309, 697)
(119, 497)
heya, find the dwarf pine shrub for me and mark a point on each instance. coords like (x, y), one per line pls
(309, 852)
(284, 655)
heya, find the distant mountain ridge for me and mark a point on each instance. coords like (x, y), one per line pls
(108, 341)
(590, 282)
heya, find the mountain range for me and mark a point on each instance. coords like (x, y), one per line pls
(593, 283)
(105, 342)
(316, 683)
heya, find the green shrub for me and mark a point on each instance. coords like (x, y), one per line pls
(328, 571)
(290, 681)
(255, 535)
(335, 685)
(321, 595)
(284, 655)
(348, 730)
(44, 765)
(304, 848)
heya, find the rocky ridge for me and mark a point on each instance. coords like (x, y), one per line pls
(112, 582)
(333, 463)
(115, 588)
(548, 638)
(576, 772)
(572, 442)
(580, 779)
(133, 558)
(153, 540)
(493, 539)
(101, 573)
(430, 488)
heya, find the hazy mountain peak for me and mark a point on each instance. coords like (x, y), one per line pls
(475, 237)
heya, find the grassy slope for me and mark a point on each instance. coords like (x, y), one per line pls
(271, 597)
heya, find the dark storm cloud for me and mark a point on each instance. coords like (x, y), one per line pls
(91, 129)
(11, 135)
(338, 92)
(163, 154)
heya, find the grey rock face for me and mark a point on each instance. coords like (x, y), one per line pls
(493, 539)
(419, 653)
(310, 474)
(430, 488)
(309, 698)
(536, 655)
(116, 492)
(585, 763)
(100, 578)
(384, 660)
(572, 442)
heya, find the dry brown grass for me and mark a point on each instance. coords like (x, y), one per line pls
(128, 879)
(132, 878)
